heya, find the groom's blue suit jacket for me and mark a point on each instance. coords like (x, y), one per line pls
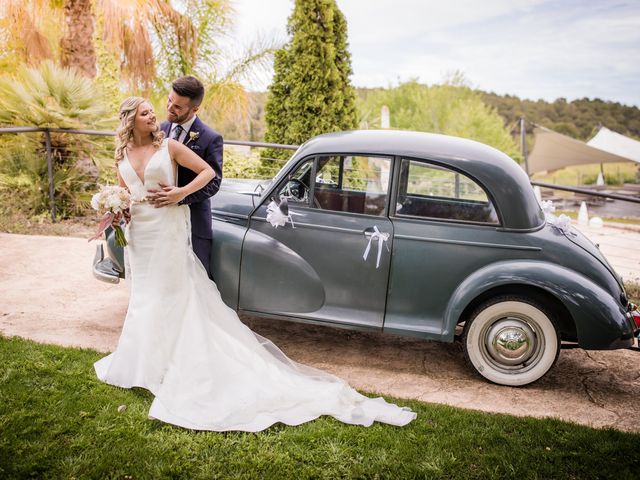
(207, 144)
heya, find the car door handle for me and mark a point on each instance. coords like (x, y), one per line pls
(367, 232)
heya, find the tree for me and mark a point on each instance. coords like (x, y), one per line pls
(161, 42)
(310, 93)
(578, 118)
(139, 33)
(54, 97)
(77, 44)
(28, 31)
(137, 46)
(452, 109)
(136, 32)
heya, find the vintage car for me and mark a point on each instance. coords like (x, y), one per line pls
(414, 234)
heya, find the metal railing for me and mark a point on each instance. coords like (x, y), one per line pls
(49, 150)
(47, 137)
(586, 191)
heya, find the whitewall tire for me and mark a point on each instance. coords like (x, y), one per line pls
(511, 340)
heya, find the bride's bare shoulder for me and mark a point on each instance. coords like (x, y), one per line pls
(174, 146)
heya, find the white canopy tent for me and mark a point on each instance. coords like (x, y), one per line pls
(613, 142)
(553, 150)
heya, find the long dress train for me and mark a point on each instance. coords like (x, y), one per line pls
(206, 369)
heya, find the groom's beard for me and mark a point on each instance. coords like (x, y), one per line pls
(179, 119)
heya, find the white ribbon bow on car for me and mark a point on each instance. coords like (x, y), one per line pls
(382, 237)
(278, 213)
(562, 223)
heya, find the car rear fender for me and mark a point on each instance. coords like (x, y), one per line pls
(601, 322)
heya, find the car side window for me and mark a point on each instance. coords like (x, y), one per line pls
(431, 191)
(352, 183)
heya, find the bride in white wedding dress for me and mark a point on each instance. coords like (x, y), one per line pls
(206, 369)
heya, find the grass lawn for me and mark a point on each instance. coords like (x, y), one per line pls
(58, 421)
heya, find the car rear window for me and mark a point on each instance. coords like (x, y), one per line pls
(431, 191)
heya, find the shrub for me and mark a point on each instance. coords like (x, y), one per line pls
(238, 165)
(56, 98)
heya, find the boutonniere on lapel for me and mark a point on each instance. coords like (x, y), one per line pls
(193, 136)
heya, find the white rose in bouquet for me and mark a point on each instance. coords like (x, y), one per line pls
(109, 202)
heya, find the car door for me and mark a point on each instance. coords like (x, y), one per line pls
(445, 228)
(313, 268)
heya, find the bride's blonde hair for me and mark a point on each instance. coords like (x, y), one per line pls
(124, 132)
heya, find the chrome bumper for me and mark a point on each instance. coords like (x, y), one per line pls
(104, 269)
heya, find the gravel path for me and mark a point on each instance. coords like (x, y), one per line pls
(48, 294)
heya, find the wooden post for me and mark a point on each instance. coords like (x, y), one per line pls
(52, 201)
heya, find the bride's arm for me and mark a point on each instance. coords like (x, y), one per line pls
(183, 156)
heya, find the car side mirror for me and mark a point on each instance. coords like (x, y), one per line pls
(295, 189)
(282, 204)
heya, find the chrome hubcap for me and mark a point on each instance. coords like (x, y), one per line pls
(510, 342)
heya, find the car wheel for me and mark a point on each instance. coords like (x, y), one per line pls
(511, 340)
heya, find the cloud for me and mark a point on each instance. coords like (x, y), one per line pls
(532, 48)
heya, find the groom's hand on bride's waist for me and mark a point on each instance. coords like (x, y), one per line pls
(165, 195)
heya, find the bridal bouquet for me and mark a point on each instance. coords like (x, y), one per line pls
(109, 202)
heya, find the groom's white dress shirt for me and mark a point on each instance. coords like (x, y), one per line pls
(186, 126)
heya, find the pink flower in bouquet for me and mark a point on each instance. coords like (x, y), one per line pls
(109, 202)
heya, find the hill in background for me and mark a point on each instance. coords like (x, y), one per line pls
(578, 119)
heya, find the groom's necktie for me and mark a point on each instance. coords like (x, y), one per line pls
(175, 135)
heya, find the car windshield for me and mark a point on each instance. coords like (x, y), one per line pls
(278, 176)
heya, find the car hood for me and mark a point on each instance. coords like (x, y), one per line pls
(237, 197)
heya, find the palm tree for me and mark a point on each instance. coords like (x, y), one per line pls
(50, 96)
(76, 47)
(139, 46)
(28, 31)
(38, 30)
(136, 32)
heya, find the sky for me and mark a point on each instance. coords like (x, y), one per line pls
(535, 49)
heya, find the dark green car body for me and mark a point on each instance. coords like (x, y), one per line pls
(461, 225)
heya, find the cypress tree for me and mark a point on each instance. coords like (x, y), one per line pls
(310, 92)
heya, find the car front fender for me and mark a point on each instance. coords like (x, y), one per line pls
(601, 322)
(226, 253)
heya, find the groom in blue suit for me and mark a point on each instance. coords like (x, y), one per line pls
(184, 126)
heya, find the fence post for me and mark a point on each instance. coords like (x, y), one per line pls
(52, 201)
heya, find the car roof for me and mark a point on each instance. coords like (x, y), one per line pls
(506, 182)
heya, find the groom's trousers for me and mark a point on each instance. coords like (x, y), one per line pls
(202, 249)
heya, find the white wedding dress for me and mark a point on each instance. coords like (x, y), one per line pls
(206, 369)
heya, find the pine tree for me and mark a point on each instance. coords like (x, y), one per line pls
(310, 93)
